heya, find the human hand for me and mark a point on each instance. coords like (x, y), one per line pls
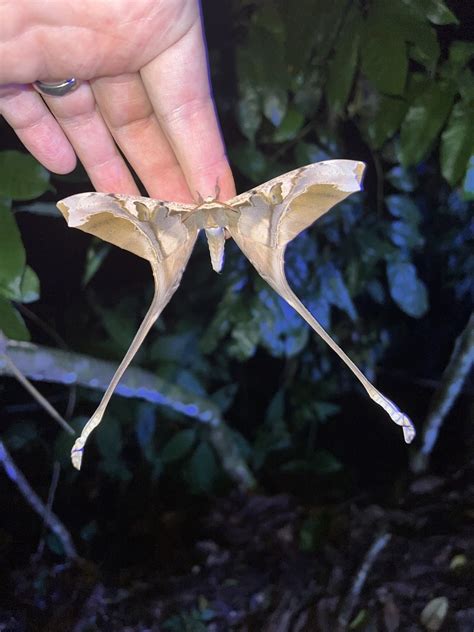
(145, 89)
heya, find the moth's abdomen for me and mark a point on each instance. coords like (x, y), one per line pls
(216, 243)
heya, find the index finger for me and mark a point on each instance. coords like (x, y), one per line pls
(177, 83)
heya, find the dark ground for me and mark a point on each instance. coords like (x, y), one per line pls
(266, 564)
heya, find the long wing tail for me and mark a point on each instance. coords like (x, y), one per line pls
(269, 263)
(167, 280)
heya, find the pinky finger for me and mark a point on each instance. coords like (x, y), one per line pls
(26, 112)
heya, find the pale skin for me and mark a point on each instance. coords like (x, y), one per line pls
(145, 90)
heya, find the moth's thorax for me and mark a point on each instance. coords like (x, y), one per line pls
(211, 214)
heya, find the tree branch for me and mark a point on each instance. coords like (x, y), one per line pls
(452, 380)
(49, 517)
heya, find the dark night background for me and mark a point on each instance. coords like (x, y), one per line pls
(263, 523)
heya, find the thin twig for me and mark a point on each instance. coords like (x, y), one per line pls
(49, 506)
(48, 516)
(459, 365)
(59, 340)
(15, 371)
(350, 601)
(379, 182)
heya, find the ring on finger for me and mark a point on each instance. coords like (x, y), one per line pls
(56, 88)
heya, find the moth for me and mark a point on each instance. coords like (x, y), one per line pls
(261, 221)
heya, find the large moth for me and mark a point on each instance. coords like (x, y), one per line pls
(261, 221)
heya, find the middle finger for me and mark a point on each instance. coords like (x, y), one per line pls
(129, 114)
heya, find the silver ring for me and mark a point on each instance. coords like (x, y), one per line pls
(56, 88)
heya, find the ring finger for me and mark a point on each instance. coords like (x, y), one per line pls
(82, 123)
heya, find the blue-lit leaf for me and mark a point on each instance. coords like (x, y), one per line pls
(189, 381)
(335, 290)
(404, 207)
(407, 289)
(468, 184)
(405, 235)
(145, 428)
(282, 332)
(224, 397)
(402, 179)
(321, 309)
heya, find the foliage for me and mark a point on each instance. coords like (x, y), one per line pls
(387, 81)
(21, 178)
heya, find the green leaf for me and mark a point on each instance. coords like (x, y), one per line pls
(21, 176)
(30, 286)
(275, 105)
(118, 324)
(384, 57)
(406, 289)
(109, 440)
(11, 323)
(48, 209)
(21, 434)
(249, 111)
(435, 10)
(250, 161)
(261, 64)
(424, 121)
(95, 256)
(12, 253)
(343, 64)
(303, 38)
(425, 48)
(457, 142)
(460, 54)
(202, 469)
(289, 127)
(387, 120)
(324, 462)
(178, 446)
